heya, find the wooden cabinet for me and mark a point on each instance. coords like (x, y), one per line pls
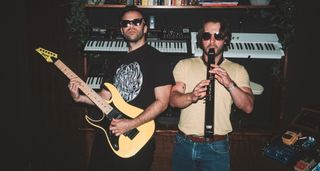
(164, 147)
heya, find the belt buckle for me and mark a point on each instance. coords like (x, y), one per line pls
(199, 139)
(209, 139)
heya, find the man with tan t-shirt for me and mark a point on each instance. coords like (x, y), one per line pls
(192, 150)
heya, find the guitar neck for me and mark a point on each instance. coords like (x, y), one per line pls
(93, 96)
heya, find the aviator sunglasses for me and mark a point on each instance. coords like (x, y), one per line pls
(136, 22)
(207, 36)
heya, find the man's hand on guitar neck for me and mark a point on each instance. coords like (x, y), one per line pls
(77, 97)
(74, 90)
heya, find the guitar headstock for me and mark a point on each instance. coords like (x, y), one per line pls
(47, 55)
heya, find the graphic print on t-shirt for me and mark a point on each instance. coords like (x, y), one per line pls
(128, 80)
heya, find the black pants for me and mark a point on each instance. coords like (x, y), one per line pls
(104, 159)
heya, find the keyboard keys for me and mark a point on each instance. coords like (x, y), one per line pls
(94, 82)
(166, 46)
(248, 45)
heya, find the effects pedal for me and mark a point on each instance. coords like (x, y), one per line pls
(290, 137)
(304, 165)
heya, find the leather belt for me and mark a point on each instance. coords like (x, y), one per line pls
(202, 139)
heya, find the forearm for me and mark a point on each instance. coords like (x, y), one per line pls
(104, 94)
(150, 113)
(244, 100)
(181, 100)
(84, 99)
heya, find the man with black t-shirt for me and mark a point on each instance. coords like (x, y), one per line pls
(144, 80)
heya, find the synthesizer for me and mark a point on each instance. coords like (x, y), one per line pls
(165, 46)
(247, 45)
(173, 40)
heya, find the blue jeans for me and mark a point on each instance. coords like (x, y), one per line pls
(192, 156)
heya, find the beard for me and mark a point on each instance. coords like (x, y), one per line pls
(135, 37)
(218, 51)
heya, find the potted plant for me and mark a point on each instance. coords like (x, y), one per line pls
(281, 20)
(78, 23)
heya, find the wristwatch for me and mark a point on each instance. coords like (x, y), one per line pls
(232, 86)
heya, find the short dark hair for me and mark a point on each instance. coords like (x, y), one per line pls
(224, 29)
(132, 8)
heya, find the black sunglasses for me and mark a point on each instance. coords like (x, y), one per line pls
(217, 36)
(136, 22)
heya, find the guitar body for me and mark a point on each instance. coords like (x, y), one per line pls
(125, 145)
(128, 144)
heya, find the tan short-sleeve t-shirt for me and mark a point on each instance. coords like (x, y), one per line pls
(191, 71)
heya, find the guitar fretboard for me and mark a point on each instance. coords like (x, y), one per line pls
(93, 96)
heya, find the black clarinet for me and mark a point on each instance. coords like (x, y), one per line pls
(209, 111)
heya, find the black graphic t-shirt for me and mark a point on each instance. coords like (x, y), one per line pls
(139, 72)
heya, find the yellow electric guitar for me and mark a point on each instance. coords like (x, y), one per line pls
(125, 145)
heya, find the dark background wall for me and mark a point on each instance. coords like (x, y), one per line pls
(303, 61)
(40, 122)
